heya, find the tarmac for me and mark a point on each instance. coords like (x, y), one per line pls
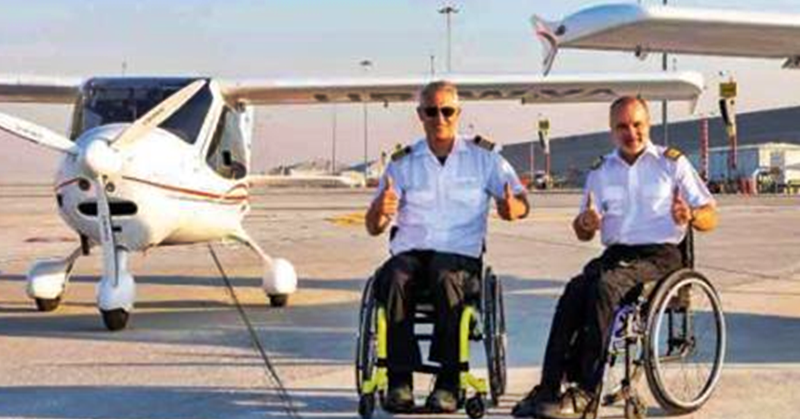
(188, 352)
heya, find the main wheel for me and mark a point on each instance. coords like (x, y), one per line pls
(47, 304)
(115, 319)
(494, 336)
(366, 341)
(685, 342)
(278, 300)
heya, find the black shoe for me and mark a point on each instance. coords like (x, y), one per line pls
(400, 397)
(444, 398)
(526, 408)
(573, 404)
(442, 401)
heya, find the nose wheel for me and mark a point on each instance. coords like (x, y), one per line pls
(115, 319)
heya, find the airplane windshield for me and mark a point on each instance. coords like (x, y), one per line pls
(110, 104)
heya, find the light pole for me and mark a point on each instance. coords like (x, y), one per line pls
(366, 65)
(664, 103)
(448, 11)
(334, 124)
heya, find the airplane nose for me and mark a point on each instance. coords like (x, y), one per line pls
(100, 159)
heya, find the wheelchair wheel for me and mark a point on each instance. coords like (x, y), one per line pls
(494, 336)
(366, 341)
(685, 342)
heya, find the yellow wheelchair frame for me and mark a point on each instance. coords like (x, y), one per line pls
(375, 381)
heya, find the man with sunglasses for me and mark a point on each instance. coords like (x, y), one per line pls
(438, 193)
(641, 198)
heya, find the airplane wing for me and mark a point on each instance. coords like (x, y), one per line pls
(522, 88)
(527, 89)
(643, 29)
(35, 89)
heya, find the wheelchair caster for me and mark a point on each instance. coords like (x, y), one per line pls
(634, 408)
(366, 405)
(476, 406)
(611, 399)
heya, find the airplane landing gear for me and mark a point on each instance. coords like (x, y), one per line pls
(278, 300)
(47, 280)
(116, 294)
(116, 319)
(48, 304)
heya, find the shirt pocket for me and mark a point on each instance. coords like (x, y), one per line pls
(612, 200)
(657, 196)
(420, 199)
(467, 192)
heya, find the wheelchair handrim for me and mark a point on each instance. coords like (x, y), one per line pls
(663, 394)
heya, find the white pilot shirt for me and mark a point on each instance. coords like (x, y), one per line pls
(445, 207)
(635, 201)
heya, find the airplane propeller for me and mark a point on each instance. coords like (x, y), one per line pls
(36, 134)
(102, 159)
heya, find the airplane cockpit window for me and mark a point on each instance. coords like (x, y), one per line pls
(227, 153)
(109, 104)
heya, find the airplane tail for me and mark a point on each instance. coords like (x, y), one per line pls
(544, 31)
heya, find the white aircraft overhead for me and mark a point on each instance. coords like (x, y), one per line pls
(643, 29)
(166, 161)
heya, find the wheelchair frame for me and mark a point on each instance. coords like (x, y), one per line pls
(635, 331)
(482, 321)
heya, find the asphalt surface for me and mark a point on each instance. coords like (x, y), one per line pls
(189, 354)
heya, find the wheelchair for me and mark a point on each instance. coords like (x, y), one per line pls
(674, 332)
(482, 320)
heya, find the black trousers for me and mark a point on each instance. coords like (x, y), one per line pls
(581, 329)
(449, 278)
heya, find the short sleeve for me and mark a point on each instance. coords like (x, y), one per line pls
(691, 185)
(502, 173)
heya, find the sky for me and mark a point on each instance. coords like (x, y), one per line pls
(326, 38)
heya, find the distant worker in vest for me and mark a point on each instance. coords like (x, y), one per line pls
(642, 198)
(437, 195)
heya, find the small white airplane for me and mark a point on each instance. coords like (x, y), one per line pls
(644, 29)
(165, 161)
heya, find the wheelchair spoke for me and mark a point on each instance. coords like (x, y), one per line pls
(687, 339)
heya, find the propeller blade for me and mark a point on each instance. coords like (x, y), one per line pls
(157, 115)
(36, 134)
(107, 241)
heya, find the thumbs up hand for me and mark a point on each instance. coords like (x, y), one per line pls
(509, 207)
(387, 202)
(681, 212)
(590, 219)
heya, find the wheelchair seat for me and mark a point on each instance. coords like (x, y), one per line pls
(645, 290)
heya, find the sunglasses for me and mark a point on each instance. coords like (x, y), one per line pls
(434, 111)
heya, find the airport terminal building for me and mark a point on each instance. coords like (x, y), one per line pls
(572, 156)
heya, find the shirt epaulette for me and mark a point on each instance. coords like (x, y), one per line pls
(672, 153)
(598, 162)
(399, 154)
(483, 142)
